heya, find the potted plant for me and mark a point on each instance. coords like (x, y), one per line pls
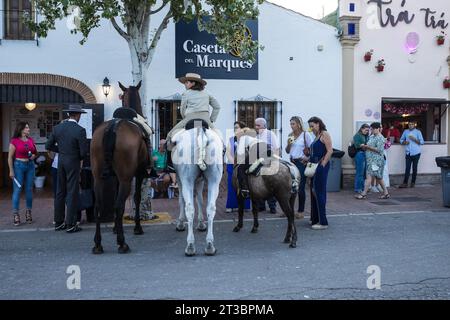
(446, 83)
(42, 169)
(380, 65)
(441, 38)
(368, 55)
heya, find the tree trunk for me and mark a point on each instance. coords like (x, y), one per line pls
(138, 46)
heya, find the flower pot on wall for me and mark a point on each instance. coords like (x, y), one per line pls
(380, 68)
(446, 84)
(367, 57)
(440, 41)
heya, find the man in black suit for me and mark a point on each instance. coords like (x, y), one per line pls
(69, 140)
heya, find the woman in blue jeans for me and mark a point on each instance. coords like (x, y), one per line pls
(22, 152)
(298, 143)
(321, 151)
(360, 140)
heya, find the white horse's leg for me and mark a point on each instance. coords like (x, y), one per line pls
(201, 226)
(182, 217)
(188, 195)
(214, 177)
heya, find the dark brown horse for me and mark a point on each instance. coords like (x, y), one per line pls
(276, 181)
(129, 160)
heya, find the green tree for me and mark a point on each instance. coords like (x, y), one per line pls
(132, 20)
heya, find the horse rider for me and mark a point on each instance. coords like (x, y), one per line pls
(195, 102)
(248, 152)
(69, 140)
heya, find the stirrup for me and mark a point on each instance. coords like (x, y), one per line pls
(245, 193)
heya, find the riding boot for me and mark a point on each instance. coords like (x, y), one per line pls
(170, 167)
(243, 181)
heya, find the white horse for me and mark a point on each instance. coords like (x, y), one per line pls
(198, 153)
(201, 226)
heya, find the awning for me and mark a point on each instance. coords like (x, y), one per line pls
(415, 101)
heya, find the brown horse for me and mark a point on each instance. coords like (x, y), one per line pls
(274, 180)
(129, 160)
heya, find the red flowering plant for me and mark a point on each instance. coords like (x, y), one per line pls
(380, 65)
(405, 108)
(368, 55)
(446, 83)
(441, 38)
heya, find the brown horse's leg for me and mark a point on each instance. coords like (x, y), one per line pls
(124, 191)
(241, 203)
(97, 249)
(255, 217)
(288, 209)
(137, 203)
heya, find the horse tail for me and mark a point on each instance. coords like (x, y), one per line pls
(109, 143)
(202, 141)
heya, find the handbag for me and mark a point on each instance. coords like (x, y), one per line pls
(86, 199)
(310, 169)
(306, 150)
(352, 151)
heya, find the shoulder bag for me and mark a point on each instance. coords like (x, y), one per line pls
(311, 167)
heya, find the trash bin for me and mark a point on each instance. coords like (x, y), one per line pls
(334, 175)
(444, 164)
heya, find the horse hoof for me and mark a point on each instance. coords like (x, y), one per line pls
(97, 250)
(236, 229)
(138, 231)
(210, 250)
(180, 227)
(124, 249)
(190, 250)
(201, 227)
(293, 245)
(254, 230)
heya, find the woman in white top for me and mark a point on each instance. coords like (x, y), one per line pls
(298, 143)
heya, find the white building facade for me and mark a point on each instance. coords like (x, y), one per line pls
(404, 34)
(298, 73)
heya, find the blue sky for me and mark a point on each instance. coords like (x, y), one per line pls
(312, 8)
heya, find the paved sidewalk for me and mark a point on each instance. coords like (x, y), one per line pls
(420, 198)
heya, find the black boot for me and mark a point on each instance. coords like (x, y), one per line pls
(243, 181)
(170, 167)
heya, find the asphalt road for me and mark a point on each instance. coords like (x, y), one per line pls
(411, 251)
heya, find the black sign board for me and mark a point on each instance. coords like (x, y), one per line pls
(198, 52)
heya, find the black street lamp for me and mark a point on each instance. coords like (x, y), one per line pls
(106, 87)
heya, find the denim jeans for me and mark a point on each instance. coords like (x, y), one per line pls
(24, 174)
(360, 175)
(411, 160)
(301, 189)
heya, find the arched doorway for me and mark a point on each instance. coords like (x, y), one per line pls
(50, 93)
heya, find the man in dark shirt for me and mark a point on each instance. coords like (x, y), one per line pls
(69, 140)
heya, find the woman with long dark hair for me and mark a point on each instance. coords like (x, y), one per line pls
(321, 151)
(22, 152)
(298, 143)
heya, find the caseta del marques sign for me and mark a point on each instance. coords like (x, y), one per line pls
(432, 18)
(199, 52)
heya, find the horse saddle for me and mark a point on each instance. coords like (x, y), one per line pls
(196, 123)
(255, 168)
(124, 113)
